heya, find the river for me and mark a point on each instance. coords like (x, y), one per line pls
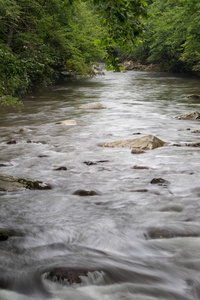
(110, 232)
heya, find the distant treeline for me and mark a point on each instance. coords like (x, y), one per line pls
(172, 36)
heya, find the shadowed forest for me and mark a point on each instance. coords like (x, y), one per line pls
(43, 40)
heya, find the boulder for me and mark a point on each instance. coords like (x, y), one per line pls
(92, 106)
(68, 275)
(148, 142)
(67, 122)
(193, 115)
(11, 183)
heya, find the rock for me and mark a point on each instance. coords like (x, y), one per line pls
(160, 181)
(11, 142)
(137, 151)
(148, 142)
(140, 167)
(91, 163)
(171, 232)
(61, 169)
(68, 275)
(10, 183)
(172, 207)
(196, 131)
(67, 122)
(92, 106)
(193, 96)
(23, 130)
(193, 115)
(3, 236)
(194, 144)
(86, 193)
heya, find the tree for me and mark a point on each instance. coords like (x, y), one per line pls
(40, 38)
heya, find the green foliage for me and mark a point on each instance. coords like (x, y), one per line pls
(41, 39)
(173, 39)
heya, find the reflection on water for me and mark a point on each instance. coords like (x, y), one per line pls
(142, 239)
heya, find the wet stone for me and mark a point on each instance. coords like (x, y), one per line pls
(68, 275)
(140, 167)
(160, 181)
(92, 106)
(3, 236)
(193, 115)
(168, 233)
(11, 142)
(137, 151)
(193, 96)
(86, 193)
(61, 169)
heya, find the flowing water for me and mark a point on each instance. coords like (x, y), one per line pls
(113, 232)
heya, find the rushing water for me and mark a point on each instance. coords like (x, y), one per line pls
(110, 232)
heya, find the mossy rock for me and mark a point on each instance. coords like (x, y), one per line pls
(10, 183)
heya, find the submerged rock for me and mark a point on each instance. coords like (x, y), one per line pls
(86, 193)
(193, 115)
(147, 142)
(193, 96)
(160, 181)
(67, 122)
(68, 275)
(140, 167)
(172, 232)
(3, 236)
(92, 106)
(12, 141)
(11, 183)
(193, 144)
(61, 169)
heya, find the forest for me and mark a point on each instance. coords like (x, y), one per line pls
(40, 40)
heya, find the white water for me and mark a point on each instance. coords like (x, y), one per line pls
(108, 232)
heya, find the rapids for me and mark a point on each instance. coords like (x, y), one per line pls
(109, 232)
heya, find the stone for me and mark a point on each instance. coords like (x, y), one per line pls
(11, 142)
(168, 233)
(160, 181)
(86, 193)
(11, 183)
(67, 122)
(193, 115)
(3, 236)
(193, 144)
(91, 163)
(92, 106)
(137, 151)
(61, 169)
(194, 96)
(147, 142)
(140, 167)
(196, 131)
(68, 275)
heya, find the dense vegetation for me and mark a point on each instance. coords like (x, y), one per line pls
(39, 39)
(172, 36)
